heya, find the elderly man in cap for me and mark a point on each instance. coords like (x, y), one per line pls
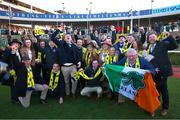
(13, 49)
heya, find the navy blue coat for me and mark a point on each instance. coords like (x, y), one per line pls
(94, 82)
(160, 53)
(143, 64)
(66, 54)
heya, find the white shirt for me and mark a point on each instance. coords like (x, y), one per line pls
(152, 47)
(30, 54)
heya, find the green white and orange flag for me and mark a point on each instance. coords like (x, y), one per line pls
(135, 84)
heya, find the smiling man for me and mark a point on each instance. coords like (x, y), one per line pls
(134, 61)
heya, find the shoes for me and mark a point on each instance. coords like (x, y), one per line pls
(110, 96)
(164, 112)
(121, 99)
(88, 95)
(98, 98)
(61, 100)
(43, 101)
(152, 114)
(67, 97)
(74, 96)
(120, 102)
(15, 101)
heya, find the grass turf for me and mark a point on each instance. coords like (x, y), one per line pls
(84, 107)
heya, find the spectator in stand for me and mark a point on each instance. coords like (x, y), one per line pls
(178, 24)
(113, 34)
(76, 35)
(9, 38)
(94, 34)
(178, 39)
(173, 26)
(142, 34)
(157, 28)
(135, 28)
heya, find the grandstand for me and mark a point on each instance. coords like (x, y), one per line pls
(20, 6)
(22, 15)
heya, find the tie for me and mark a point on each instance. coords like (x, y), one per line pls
(121, 45)
(69, 45)
(152, 47)
(18, 55)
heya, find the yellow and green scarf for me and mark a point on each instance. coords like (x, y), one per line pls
(79, 74)
(110, 59)
(137, 64)
(30, 80)
(53, 83)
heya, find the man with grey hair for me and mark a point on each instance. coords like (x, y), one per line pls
(133, 60)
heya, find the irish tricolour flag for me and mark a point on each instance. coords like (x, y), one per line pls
(135, 84)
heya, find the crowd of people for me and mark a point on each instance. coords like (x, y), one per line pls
(67, 65)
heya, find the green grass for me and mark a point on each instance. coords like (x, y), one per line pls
(174, 58)
(83, 107)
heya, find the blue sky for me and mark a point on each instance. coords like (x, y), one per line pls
(98, 6)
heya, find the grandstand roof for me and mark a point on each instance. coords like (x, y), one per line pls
(19, 5)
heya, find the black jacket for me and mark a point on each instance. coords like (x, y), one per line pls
(143, 64)
(7, 58)
(94, 82)
(160, 53)
(21, 73)
(143, 37)
(113, 36)
(21, 82)
(51, 57)
(65, 53)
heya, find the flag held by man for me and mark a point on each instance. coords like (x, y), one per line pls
(135, 84)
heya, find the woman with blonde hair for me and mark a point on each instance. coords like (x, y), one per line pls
(90, 53)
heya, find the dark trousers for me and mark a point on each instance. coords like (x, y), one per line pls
(13, 93)
(161, 86)
(58, 92)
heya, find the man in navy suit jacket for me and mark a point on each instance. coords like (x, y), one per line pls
(162, 64)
